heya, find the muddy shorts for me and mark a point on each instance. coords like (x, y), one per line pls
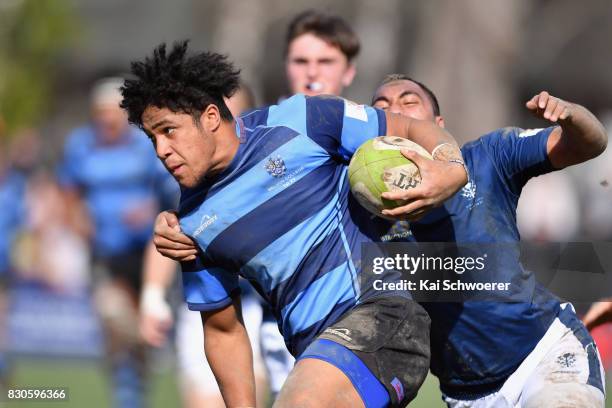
(382, 345)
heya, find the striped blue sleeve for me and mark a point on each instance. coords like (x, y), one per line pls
(336, 124)
(519, 154)
(360, 123)
(207, 289)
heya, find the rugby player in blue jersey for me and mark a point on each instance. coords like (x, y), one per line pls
(266, 197)
(502, 354)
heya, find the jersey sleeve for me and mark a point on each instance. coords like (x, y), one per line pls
(519, 154)
(208, 288)
(336, 124)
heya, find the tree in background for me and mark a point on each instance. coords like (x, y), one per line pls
(32, 35)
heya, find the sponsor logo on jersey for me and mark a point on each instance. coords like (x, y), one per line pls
(205, 222)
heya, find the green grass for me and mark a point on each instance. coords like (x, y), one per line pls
(87, 384)
(89, 387)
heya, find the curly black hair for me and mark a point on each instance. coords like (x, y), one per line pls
(180, 81)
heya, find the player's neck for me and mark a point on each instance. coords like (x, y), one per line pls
(226, 147)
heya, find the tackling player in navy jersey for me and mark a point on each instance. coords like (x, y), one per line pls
(502, 354)
(266, 197)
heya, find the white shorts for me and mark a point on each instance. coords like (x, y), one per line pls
(194, 370)
(277, 359)
(563, 370)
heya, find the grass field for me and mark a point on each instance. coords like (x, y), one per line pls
(88, 387)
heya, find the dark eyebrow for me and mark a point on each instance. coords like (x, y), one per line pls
(406, 93)
(161, 123)
(380, 98)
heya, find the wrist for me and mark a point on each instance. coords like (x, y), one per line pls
(153, 301)
(451, 153)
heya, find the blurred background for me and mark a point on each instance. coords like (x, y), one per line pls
(484, 60)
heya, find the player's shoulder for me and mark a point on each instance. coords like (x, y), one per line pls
(80, 139)
(302, 103)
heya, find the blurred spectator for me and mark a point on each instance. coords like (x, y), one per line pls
(541, 217)
(48, 250)
(595, 183)
(110, 172)
(15, 167)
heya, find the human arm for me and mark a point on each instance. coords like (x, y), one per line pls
(441, 177)
(229, 354)
(155, 315)
(599, 313)
(579, 137)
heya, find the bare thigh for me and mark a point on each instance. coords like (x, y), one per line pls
(316, 383)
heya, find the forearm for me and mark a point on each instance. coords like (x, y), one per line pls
(424, 133)
(158, 270)
(583, 133)
(231, 359)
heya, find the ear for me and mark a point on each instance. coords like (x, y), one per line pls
(211, 118)
(439, 120)
(349, 74)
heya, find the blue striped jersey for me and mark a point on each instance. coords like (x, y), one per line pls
(281, 215)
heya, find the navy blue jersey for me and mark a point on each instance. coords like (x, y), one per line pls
(479, 343)
(281, 215)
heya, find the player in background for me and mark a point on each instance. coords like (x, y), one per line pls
(320, 51)
(240, 179)
(496, 354)
(110, 172)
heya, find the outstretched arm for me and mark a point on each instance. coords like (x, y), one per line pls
(579, 137)
(229, 354)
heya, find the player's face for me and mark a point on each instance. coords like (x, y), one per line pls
(406, 98)
(110, 121)
(315, 67)
(185, 149)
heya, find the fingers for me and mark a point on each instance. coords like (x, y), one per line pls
(546, 106)
(167, 218)
(179, 255)
(154, 331)
(550, 107)
(412, 211)
(178, 251)
(532, 104)
(179, 240)
(171, 218)
(411, 194)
